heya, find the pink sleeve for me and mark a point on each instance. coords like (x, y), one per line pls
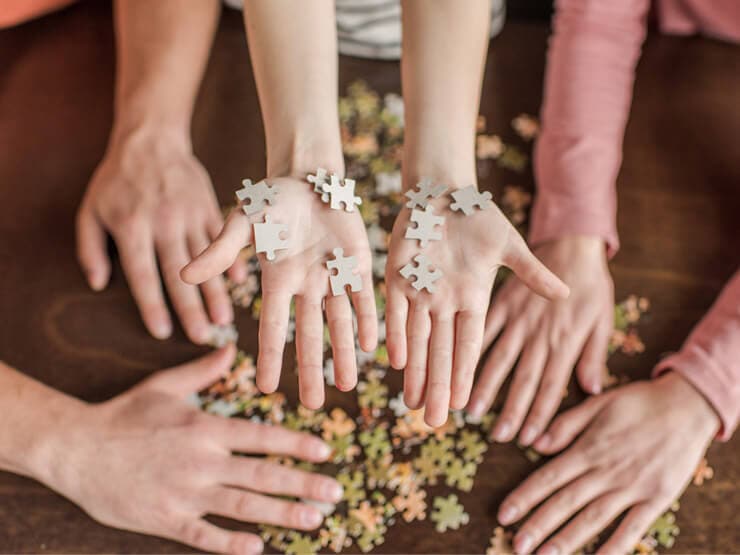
(710, 357)
(588, 90)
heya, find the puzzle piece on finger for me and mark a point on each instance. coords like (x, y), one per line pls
(344, 275)
(425, 277)
(319, 180)
(267, 237)
(426, 220)
(254, 196)
(425, 191)
(341, 193)
(469, 198)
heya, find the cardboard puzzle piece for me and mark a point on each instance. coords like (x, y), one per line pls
(254, 196)
(425, 191)
(344, 275)
(222, 335)
(469, 198)
(267, 237)
(342, 193)
(424, 277)
(426, 220)
(319, 180)
(448, 513)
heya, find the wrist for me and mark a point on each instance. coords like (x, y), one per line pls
(297, 154)
(154, 139)
(691, 400)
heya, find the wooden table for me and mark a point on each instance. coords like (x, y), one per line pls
(679, 198)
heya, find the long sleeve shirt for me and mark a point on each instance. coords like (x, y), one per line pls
(592, 56)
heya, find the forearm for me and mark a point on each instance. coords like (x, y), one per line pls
(588, 91)
(710, 357)
(162, 50)
(293, 47)
(33, 417)
(444, 52)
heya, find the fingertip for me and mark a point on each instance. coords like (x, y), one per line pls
(160, 328)
(543, 443)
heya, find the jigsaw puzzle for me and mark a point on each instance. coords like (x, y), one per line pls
(426, 221)
(341, 273)
(425, 277)
(425, 191)
(341, 194)
(319, 180)
(267, 237)
(469, 198)
(254, 197)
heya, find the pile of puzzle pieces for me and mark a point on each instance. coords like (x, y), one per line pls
(388, 460)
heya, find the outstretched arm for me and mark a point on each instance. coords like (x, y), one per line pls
(150, 192)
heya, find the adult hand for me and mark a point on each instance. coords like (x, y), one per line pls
(314, 231)
(149, 462)
(636, 451)
(548, 338)
(437, 337)
(156, 200)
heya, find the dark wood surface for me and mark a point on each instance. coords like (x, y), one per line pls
(679, 194)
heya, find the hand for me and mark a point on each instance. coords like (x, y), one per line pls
(437, 337)
(549, 336)
(153, 196)
(149, 462)
(314, 231)
(638, 448)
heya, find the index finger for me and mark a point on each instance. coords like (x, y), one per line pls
(222, 252)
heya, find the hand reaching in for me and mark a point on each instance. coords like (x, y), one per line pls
(149, 462)
(314, 231)
(156, 200)
(437, 337)
(549, 336)
(632, 449)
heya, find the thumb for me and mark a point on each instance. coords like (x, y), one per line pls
(566, 427)
(533, 273)
(92, 250)
(193, 376)
(222, 252)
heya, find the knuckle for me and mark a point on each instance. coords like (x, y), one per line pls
(191, 532)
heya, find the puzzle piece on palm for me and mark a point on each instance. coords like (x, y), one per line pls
(448, 513)
(425, 191)
(425, 278)
(319, 179)
(469, 198)
(426, 221)
(254, 196)
(341, 193)
(267, 237)
(344, 266)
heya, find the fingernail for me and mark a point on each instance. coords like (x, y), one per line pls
(507, 515)
(543, 442)
(476, 408)
(162, 329)
(311, 518)
(323, 451)
(523, 542)
(96, 280)
(595, 389)
(549, 550)
(334, 491)
(501, 432)
(528, 434)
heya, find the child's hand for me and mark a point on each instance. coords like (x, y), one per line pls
(437, 336)
(548, 338)
(314, 231)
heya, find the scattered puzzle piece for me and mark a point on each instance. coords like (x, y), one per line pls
(425, 191)
(267, 237)
(342, 194)
(664, 530)
(426, 221)
(448, 513)
(300, 544)
(344, 266)
(500, 542)
(412, 506)
(424, 277)
(469, 198)
(319, 180)
(222, 335)
(460, 474)
(254, 197)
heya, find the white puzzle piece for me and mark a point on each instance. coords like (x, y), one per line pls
(222, 335)
(344, 275)
(425, 220)
(469, 198)
(424, 277)
(318, 180)
(425, 191)
(267, 237)
(342, 193)
(254, 196)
